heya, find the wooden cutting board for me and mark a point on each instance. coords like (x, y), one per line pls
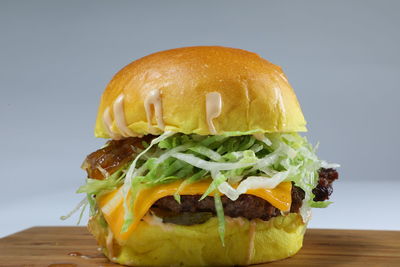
(74, 246)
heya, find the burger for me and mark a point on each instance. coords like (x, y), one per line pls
(204, 164)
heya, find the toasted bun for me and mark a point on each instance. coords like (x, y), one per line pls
(246, 242)
(255, 95)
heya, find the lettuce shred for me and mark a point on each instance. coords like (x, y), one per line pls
(247, 160)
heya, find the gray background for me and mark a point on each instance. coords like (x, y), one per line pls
(56, 57)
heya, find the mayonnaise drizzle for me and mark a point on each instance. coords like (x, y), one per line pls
(119, 116)
(252, 234)
(108, 124)
(153, 220)
(238, 220)
(154, 98)
(213, 109)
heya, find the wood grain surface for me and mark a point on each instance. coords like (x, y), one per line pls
(74, 246)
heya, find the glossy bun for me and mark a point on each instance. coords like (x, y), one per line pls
(246, 242)
(255, 95)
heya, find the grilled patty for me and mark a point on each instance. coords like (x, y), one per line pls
(248, 206)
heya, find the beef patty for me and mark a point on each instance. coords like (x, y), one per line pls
(248, 206)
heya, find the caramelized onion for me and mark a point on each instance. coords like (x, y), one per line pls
(113, 156)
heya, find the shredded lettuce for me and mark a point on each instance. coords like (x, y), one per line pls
(221, 217)
(96, 187)
(320, 204)
(81, 205)
(248, 160)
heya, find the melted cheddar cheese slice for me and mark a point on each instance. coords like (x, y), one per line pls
(111, 204)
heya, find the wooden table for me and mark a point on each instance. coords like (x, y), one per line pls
(74, 246)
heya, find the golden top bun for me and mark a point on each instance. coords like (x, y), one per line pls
(170, 89)
(246, 242)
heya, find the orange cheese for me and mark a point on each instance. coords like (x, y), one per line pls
(111, 203)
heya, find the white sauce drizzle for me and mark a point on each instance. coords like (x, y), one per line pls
(240, 221)
(108, 124)
(213, 109)
(119, 116)
(153, 220)
(252, 234)
(154, 99)
(109, 243)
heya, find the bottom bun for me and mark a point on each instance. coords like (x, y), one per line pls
(154, 243)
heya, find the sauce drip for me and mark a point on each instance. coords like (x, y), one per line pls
(75, 254)
(152, 219)
(108, 124)
(213, 109)
(154, 99)
(252, 234)
(119, 116)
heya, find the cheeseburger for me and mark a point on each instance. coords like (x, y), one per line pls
(204, 164)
